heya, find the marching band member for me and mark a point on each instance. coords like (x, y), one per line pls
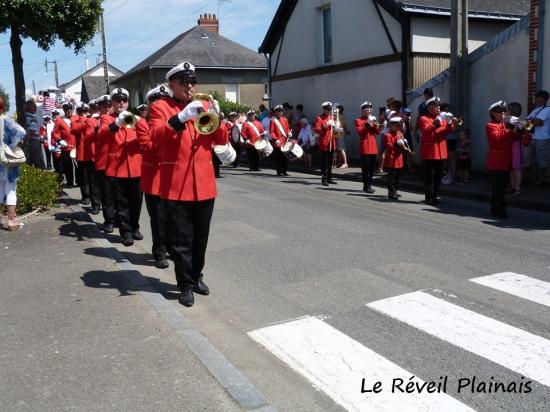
(150, 182)
(367, 128)
(123, 166)
(279, 131)
(233, 120)
(395, 145)
(187, 182)
(252, 131)
(433, 147)
(142, 110)
(63, 138)
(325, 127)
(101, 155)
(499, 157)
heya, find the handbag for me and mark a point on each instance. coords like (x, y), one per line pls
(9, 157)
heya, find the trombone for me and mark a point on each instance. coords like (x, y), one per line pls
(206, 122)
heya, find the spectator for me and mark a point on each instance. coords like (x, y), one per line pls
(46, 136)
(36, 155)
(463, 163)
(514, 110)
(11, 134)
(307, 141)
(540, 145)
(298, 115)
(407, 134)
(263, 112)
(266, 121)
(422, 108)
(342, 159)
(451, 147)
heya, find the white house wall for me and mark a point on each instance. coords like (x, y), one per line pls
(349, 88)
(499, 75)
(431, 35)
(357, 33)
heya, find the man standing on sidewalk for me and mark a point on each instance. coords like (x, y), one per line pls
(36, 155)
(187, 181)
(540, 145)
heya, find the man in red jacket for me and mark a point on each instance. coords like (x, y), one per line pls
(124, 166)
(433, 147)
(252, 131)
(62, 137)
(325, 127)
(367, 128)
(187, 181)
(394, 144)
(279, 131)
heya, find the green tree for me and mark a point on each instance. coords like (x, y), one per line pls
(6, 98)
(74, 22)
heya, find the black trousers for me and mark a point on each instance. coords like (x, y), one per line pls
(281, 162)
(432, 178)
(326, 164)
(368, 164)
(216, 163)
(393, 180)
(48, 159)
(87, 180)
(68, 167)
(36, 154)
(253, 158)
(157, 216)
(187, 229)
(498, 193)
(237, 147)
(128, 201)
(57, 163)
(107, 194)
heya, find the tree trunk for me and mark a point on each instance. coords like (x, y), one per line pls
(19, 78)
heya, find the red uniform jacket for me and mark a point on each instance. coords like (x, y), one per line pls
(321, 127)
(62, 131)
(82, 129)
(367, 136)
(249, 133)
(394, 152)
(433, 145)
(89, 136)
(124, 155)
(276, 134)
(150, 161)
(102, 143)
(43, 133)
(186, 171)
(499, 156)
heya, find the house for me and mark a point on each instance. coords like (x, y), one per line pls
(234, 71)
(361, 50)
(74, 87)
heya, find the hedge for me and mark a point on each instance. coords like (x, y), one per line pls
(36, 188)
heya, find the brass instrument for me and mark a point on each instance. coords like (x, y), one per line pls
(206, 122)
(527, 124)
(336, 117)
(130, 121)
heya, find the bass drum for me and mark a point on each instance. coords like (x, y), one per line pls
(236, 135)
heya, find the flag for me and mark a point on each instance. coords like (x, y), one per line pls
(49, 104)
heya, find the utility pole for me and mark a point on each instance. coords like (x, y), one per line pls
(459, 58)
(104, 44)
(54, 62)
(33, 87)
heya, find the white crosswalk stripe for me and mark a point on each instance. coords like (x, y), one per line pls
(513, 348)
(337, 364)
(516, 284)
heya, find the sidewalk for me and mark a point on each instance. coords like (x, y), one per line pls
(478, 189)
(75, 335)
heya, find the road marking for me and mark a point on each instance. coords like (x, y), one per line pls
(513, 348)
(515, 284)
(337, 364)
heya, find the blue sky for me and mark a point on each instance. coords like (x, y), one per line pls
(134, 30)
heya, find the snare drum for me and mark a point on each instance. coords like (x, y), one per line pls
(236, 134)
(292, 150)
(263, 147)
(225, 153)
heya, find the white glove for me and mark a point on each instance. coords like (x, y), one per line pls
(247, 141)
(338, 129)
(331, 123)
(191, 111)
(62, 143)
(290, 134)
(120, 119)
(278, 142)
(513, 120)
(400, 142)
(216, 106)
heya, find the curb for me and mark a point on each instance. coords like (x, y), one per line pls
(229, 377)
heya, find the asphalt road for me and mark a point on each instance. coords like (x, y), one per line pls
(283, 249)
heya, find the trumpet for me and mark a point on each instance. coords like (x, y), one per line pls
(207, 122)
(130, 121)
(527, 124)
(374, 122)
(336, 117)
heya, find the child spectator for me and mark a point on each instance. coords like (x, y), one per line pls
(514, 109)
(463, 163)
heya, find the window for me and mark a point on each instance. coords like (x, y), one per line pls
(232, 93)
(327, 35)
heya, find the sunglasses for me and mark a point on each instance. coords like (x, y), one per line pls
(120, 99)
(185, 82)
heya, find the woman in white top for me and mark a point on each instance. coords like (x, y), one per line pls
(306, 139)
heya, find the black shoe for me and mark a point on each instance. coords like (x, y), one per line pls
(398, 195)
(186, 297)
(85, 201)
(161, 262)
(324, 182)
(331, 182)
(201, 288)
(393, 197)
(108, 228)
(127, 239)
(95, 211)
(136, 234)
(285, 174)
(370, 190)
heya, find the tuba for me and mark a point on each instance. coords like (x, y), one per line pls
(206, 122)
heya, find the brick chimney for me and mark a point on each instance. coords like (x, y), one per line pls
(209, 22)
